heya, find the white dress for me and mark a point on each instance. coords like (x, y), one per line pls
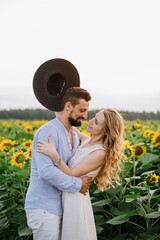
(78, 219)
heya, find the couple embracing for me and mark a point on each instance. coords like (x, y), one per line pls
(65, 161)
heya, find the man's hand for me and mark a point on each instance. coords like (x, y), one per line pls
(86, 182)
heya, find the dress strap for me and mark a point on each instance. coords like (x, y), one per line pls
(97, 147)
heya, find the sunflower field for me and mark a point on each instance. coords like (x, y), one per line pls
(129, 211)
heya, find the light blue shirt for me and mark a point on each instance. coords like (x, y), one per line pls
(46, 180)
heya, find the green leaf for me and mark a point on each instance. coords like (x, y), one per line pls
(24, 231)
(23, 173)
(2, 153)
(147, 158)
(13, 169)
(126, 170)
(132, 213)
(99, 229)
(139, 189)
(102, 203)
(4, 222)
(120, 237)
(147, 173)
(98, 217)
(153, 215)
(132, 196)
(132, 178)
(21, 159)
(113, 191)
(117, 220)
(9, 208)
(97, 191)
(145, 236)
(3, 194)
(158, 197)
(4, 202)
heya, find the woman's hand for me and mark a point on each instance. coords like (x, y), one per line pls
(47, 148)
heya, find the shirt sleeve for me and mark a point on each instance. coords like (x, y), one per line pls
(50, 173)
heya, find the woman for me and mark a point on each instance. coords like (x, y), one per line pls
(98, 157)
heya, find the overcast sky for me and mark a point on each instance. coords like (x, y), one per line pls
(115, 46)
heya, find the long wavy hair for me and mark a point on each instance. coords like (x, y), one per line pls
(113, 143)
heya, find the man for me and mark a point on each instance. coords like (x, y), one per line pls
(43, 199)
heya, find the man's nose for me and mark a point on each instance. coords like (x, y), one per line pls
(85, 115)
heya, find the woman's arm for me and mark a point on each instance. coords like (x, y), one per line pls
(88, 164)
(82, 136)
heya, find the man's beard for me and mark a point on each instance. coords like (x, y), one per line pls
(74, 122)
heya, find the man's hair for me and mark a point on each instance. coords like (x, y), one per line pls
(74, 94)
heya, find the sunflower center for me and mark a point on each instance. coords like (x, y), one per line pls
(153, 179)
(158, 139)
(128, 152)
(16, 159)
(139, 151)
(27, 144)
(7, 144)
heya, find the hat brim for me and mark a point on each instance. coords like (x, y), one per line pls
(52, 79)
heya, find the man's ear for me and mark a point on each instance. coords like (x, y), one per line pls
(68, 106)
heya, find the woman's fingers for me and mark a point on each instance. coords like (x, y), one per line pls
(40, 145)
(49, 139)
(41, 142)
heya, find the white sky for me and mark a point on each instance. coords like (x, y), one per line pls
(115, 46)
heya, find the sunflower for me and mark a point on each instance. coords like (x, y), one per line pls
(7, 143)
(156, 139)
(28, 129)
(28, 153)
(148, 133)
(28, 143)
(125, 128)
(25, 124)
(35, 130)
(139, 149)
(138, 121)
(1, 138)
(16, 159)
(87, 133)
(144, 129)
(36, 123)
(128, 150)
(135, 126)
(152, 179)
(5, 124)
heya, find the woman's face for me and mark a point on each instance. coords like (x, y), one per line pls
(96, 124)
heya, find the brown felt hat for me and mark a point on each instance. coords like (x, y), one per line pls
(52, 79)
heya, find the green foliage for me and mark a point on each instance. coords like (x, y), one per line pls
(130, 211)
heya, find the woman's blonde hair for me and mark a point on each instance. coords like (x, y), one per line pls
(113, 143)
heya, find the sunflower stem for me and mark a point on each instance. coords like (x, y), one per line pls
(134, 170)
(137, 225)
(148, 208)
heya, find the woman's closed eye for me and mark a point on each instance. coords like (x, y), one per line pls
(96, 122)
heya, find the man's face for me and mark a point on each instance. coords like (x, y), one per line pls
(78, 113)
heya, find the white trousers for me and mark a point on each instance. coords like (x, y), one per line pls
(44, 225)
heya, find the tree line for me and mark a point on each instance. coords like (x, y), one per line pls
(44, 114)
